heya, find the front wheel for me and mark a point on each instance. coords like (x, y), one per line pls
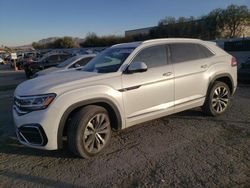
(218, 99)
(89, 131)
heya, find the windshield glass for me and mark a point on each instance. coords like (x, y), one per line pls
(109, 60)
(67, 62)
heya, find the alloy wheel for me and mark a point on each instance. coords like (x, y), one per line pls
(220, 99)
(96, 133)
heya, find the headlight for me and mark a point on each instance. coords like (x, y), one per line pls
(31, 103)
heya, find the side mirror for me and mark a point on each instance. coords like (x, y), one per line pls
(77, 65)
(137, 67)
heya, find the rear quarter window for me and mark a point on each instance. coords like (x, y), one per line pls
(204, 51)
(181, 52)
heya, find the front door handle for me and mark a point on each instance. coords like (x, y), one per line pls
(203, 66)
(167, 74)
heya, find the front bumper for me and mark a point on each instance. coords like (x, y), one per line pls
(38, 129)
(32, 134)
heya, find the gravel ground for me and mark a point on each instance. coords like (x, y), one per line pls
(187, 149)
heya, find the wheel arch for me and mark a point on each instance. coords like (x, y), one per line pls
(226, 78)
(114, 114)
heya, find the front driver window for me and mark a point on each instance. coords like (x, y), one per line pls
(153, 56)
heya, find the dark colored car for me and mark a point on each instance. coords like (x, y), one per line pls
(244, 72)
(27, 58)
(51, 60)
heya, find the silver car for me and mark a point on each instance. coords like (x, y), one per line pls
(124, 85)
(75, 62)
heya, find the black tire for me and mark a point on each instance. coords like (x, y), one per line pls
(27, 73)
(79, 127)
(216, 104)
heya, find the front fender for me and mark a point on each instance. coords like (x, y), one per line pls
(71, 100)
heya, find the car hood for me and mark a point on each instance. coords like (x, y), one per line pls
(60, 82)
(49, 70)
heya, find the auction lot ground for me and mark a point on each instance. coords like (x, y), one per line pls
(182, 150)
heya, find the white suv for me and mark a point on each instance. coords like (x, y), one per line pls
(124, 85)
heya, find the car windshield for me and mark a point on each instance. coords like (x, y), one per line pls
(108, 61)
(67, 62)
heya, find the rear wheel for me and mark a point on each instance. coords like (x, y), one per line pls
(89, 131)
(218, 99)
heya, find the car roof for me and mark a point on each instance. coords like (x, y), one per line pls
(157, 41)
(127, 45)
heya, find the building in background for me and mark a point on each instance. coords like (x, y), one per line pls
(141, 31)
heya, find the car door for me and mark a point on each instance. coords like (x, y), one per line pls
(190, 62)
(150, 92)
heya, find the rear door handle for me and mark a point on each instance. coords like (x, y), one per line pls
(167, 74)
(203, 66)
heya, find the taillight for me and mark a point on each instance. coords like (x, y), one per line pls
(233, 62)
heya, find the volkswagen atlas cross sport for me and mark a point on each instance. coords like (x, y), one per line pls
(126, 84)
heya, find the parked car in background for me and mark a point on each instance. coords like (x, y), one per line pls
(48, 61)
(27, 57)
(244, 72)
(75, 62)
(125, 85)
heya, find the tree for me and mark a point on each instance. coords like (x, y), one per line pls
(90, 40)
(235, 19)
(213, 24)
(166, 21)
(37, 45)
(66, 42)
(231, 22)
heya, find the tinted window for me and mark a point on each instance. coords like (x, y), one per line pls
(181, 52)
(153, 56)
(84, 61)
(205, 52)
(67, 62)
(53, 59)
(63, 57)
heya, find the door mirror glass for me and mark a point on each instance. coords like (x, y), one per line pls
(137, 67)
(77, 65)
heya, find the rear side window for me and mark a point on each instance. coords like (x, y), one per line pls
(204, 51)
(53, 59)
(181, 52)
(84, 61)
(63, 57)
(153, 56)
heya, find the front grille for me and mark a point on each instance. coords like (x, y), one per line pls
(32, 134)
